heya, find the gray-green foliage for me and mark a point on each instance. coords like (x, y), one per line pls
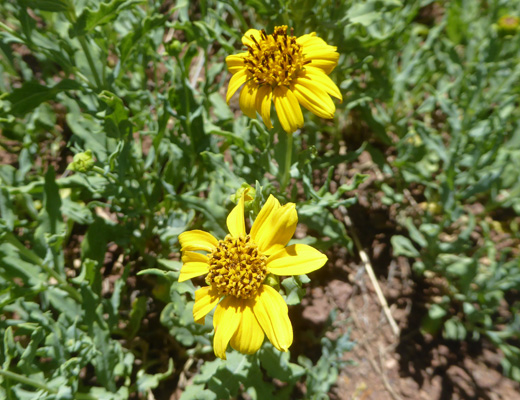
(454, 106)
(106, 81)
(141, 85)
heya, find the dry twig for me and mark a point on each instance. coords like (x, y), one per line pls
(368, 267)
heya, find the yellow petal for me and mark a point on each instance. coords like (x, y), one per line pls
(194, 264)
(319, 77)
(313, 98)
(288, 109)
(274, 228)
(235, 82)
(263, 222)
(246, 39)
(263, 104)
(206, 298)
(225, 321)
(235, 221)
(304, 40)
(249, 336)
(191, 256)
(271, 312)
(247, 99)
(318, 47)
(197, 240)
(321, 53)
(326, 64)
(235, 62)
(297, 259)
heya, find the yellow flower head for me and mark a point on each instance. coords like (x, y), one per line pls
(286, 70)
(235, 269)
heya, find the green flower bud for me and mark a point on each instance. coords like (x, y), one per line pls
(508, 25)
(250, 194)
(82, 162)
(174, 48)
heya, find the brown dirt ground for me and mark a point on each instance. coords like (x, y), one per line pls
(409, 365)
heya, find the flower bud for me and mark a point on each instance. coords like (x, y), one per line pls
(82, 162)
(250, 194)
(174, 48)
(508, 25)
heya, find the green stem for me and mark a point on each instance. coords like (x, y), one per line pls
(105, 174)
(84, 396)
(286, 18)
(8, 29)
(71, 16)
(184, 81)
(63, 283)
(286, 177)
(10, 238)
(80, 75)
(27, 381)
(90, 61)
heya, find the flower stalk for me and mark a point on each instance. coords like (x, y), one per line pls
(286, 177)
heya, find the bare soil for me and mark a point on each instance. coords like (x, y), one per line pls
(410, 364)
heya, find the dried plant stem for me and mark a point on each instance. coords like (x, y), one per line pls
(368, 267)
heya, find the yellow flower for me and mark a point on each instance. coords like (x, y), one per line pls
(235, 270)
(286, 70)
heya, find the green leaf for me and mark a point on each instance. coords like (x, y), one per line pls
(51, 228)
(146, 382)
(170, 264)
(197, 392)
(456, 26)
(127, 44)
(403, 246)
(367, 13)
(27, 358)
(278, 366)
(459, 266)
(94, 246)
(454, 329)
(137, 314)
(152, 271)
(432, 322)
(6, 209)
(106, 13)
(117, 124)
(293, 290)
(76, 212)
(511, 361)
(32, 94)
(18, 261)
(9, 348)
(208, 370)
(48, 5)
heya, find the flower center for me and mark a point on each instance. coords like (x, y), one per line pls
(236, 267)
(274, 59)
